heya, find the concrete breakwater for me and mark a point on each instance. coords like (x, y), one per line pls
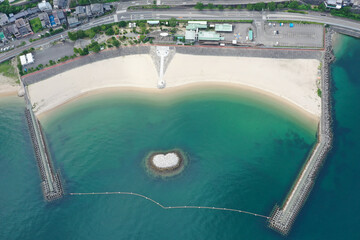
(50, 180)
(282, 218)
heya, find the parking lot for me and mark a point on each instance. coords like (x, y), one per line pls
(44, 55)
(291, 35)
(240, 33)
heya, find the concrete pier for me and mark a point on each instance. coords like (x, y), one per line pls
(283, 217)
(50, 180)
(162, 52)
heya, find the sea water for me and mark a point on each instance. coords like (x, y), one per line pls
(244, 153)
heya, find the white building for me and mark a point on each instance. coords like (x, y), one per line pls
(44, 6)
(26, 59)
(23, 60)
(30, 58)
(337, 4)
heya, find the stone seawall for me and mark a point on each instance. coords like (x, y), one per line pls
(50, 180)
(282, 218)
(346, 31)
(191, 50)
(81, 61)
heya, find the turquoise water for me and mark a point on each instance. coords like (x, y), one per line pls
(244, 152)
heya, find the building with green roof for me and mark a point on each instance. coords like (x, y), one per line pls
(2, 36)
(190, 36)
(194, 26)
(251, 36)
(209, 36)
(223, 27)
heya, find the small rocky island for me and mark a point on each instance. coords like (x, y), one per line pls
(166, 163)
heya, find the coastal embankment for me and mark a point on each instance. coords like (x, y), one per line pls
(282, 218)
(287, 75)
(50, 179)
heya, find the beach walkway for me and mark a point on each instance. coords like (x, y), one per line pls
(162, 52)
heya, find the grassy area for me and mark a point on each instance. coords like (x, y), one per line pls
(149, 7)
(298, 22)
(36, 25)
(212, 21)
(296, 11)
(319, 92)
(8, 70)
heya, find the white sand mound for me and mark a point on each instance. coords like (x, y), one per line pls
(168, 160)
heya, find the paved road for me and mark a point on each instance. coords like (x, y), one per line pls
(187, 13)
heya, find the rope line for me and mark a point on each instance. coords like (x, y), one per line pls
(170, 207)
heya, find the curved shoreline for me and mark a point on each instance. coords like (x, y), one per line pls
(279, 79)
(174, 95)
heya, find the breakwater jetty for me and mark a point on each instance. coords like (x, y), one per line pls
(50, 179)
(282, 218)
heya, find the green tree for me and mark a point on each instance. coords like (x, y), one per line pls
(85, 51)
(271, 6)
(94, 47)
(172, 22)
(73, 3)
(96, 29)
(103, 27)
(199, 6)
(90, 33)
(220, 7)
(142, 38)
(109, 32)
(294, 5)
(116, 43)
(280, 6)
(122, 24)
(210, 6)
(250, 7)
(260, 6)
(72, 36)
(322, 7)
(81, 34)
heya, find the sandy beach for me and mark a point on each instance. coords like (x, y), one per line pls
(290, 81)
(7, 86)
(7, 90)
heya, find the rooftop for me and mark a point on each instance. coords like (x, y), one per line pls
(223, 27)
(190, 35)
(2, 36)
(194, 26)
(209, 36)
(198, 22)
